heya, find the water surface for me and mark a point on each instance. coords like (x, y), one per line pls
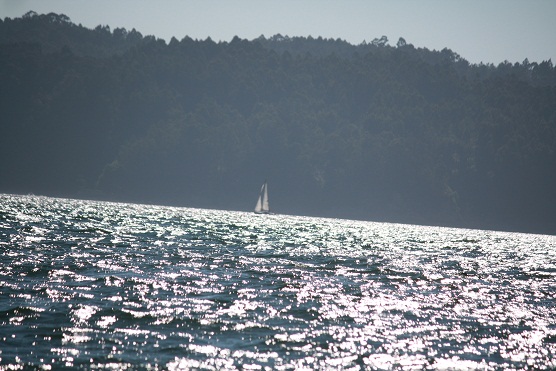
(92, 285)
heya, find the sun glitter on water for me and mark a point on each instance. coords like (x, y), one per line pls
(101, 285)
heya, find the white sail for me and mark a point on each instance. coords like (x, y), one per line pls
(259, 206)
(262, 202)
(266, 208)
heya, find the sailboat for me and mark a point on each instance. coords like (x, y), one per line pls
(262, 202)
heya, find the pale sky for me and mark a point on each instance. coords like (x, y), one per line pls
(489, 31)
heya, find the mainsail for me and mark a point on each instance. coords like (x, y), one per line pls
(262, 202)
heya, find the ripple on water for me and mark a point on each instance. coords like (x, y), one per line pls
(103, 285)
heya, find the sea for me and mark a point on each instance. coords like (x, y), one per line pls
(99, 285)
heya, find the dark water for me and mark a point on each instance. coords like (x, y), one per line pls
(100, 285)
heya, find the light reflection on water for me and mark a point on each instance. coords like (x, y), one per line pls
(103, 285)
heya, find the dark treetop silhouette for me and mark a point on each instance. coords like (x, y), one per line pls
(366, 131)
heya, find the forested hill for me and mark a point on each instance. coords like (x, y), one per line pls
(369, 131)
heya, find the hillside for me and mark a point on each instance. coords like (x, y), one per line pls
(370, 131)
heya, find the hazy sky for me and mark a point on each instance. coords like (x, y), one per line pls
(488, 31)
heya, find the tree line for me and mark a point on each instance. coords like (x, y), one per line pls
(369, 131)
